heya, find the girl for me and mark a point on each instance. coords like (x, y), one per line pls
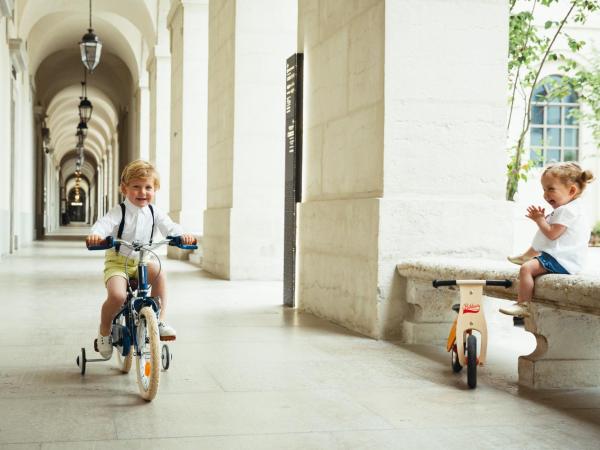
(560, 245)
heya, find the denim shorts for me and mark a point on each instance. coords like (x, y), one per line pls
(550, 264)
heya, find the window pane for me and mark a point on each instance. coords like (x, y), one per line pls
(537, 135)
(571, 137)
(552, 155)
(569, 119)
(571, 98)
(537, 115)
(570, 155)
(539, 93)
(553, 137)
(553, 115)
(535, 154)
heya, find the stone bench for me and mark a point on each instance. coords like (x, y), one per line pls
(565, 316)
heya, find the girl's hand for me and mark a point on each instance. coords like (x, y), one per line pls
(188, 239)
(536, 213)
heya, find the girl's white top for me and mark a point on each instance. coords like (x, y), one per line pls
(570, 248)
(138, 225)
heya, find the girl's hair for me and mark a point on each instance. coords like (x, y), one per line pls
(140, 169)
(570, 173)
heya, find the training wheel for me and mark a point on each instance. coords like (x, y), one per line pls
(81, 361)
(166, 357)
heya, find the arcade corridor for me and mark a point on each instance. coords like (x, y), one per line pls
(250, 374)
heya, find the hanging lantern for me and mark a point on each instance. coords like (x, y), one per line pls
(85, 110)
(82, 129)
(90, 47)
(85, 106)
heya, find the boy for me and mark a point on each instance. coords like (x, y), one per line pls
(139, 182)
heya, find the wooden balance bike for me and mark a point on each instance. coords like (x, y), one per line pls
(462, 342)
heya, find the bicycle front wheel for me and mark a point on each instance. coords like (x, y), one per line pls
(147, 359)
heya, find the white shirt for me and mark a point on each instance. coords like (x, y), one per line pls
(570, 248)
(138, 225)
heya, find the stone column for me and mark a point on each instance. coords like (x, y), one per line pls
(105, 181)
(403, 149)
(188, 25)
(249, 45)
(159, 71)
(110, 175)
(116, 170)
(143, 118)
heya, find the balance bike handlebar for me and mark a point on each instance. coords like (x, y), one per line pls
(503, 283)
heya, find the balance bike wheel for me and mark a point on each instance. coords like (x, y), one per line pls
(472, 361)
(456, 366)
(81, 361)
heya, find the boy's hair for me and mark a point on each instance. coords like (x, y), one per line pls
(140, 169)
(570, 173)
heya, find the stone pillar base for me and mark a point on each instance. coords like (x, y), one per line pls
(558, 373)
(177, 253)
(568, 349)
(429, 316)
(215, 241)
(433, 333)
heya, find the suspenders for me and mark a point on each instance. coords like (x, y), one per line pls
(122, 225)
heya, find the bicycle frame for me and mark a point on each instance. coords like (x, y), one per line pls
(136, 300)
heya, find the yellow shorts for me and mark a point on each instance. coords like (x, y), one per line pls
(114, 266)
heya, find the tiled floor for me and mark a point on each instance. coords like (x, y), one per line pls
(250, 374)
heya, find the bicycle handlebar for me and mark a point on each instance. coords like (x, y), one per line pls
(504, 283)
(175, 241)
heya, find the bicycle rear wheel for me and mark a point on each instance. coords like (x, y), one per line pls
(147, 359)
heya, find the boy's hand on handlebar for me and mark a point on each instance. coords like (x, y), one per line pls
(93, 239)
(188, 239)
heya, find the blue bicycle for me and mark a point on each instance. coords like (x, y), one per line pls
(135, 327)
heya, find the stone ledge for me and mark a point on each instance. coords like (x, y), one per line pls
(570, 292)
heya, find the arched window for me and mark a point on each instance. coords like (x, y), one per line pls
(554, 132)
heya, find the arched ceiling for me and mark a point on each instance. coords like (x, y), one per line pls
(63, 118)
(67, 164)
(52, 30)
(126, 28)
(64, 68)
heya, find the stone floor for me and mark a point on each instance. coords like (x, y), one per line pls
(250, 374)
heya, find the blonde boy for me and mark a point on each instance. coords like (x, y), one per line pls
(139, 183)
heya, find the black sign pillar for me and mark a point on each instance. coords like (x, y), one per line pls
(293, 171)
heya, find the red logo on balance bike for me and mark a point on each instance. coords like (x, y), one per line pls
(469, 308)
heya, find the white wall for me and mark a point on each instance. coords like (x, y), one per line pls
(221, 100)
(188, 22)
(404, 148)
(343, 161)
(4, 139)
(249, 44)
